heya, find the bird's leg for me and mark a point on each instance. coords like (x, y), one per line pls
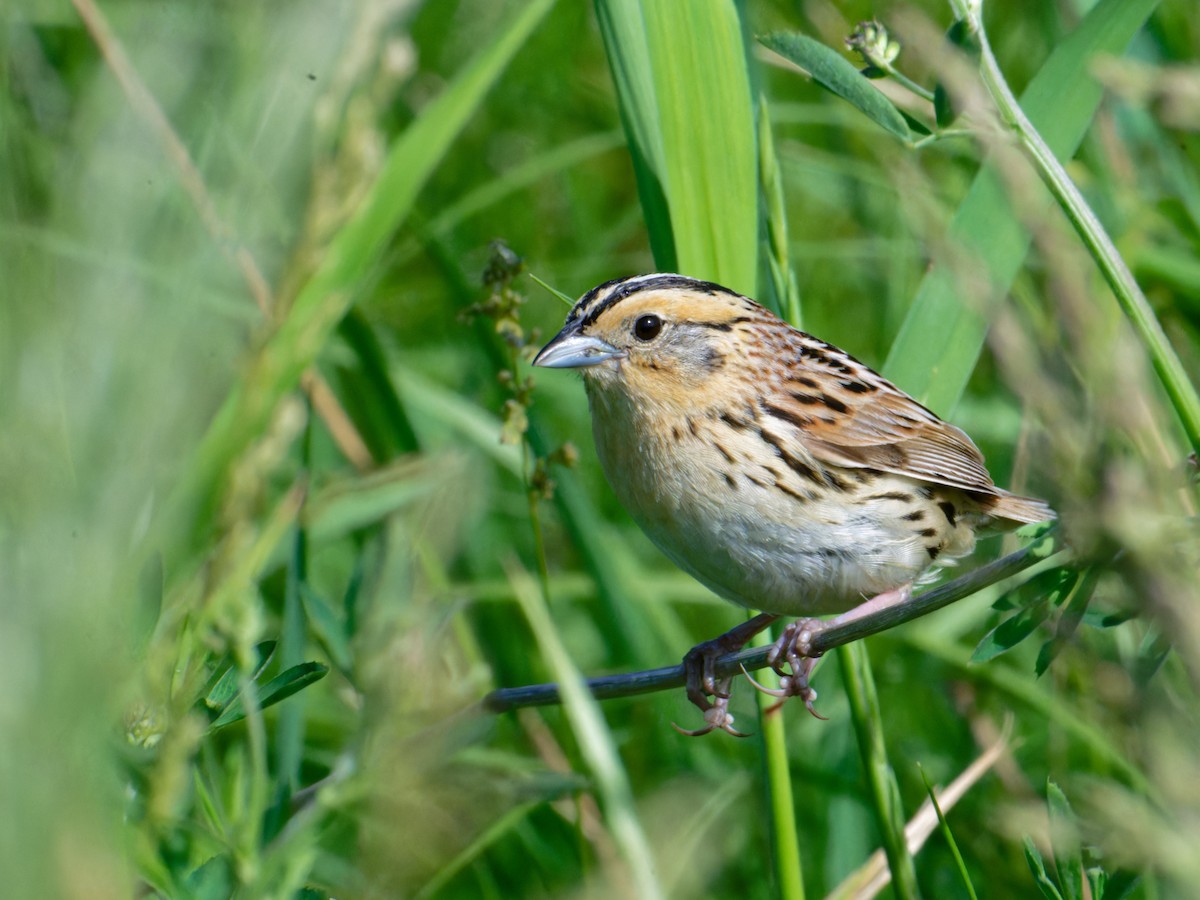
(794, 647)
(701, 671)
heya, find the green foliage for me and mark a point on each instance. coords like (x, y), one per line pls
(833, 72)
(275, 468)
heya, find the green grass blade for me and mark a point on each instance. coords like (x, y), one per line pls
(682, 76)
(782, 293)
(1060, 101)
(498, 830)
(293, 636)
(323, 300)
(884, 791)
(948, 835)
(789, 870)
(594, 739)
(1091, 231)
(623, 29)
(709, 142)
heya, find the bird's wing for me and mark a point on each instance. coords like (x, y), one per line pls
(860, 420)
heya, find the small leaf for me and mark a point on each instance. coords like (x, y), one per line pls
(225, 686)
(1094, 618)
(329, 629)
(1151, 655)
(1011, 632)
(282, 686)
(1078, 594)
(961, 36)
(1120, 884)
(916, 125)
(943, 108)
(1064, 839)
(1037, 866)
(1038, 589)
(835, 73)
(213, 879)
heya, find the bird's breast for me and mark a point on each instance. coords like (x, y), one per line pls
(721, 505)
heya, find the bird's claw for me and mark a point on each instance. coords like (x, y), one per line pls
(716, 716)
(700, 667)
(793, 650)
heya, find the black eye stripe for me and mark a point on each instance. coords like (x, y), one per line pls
(647, 327)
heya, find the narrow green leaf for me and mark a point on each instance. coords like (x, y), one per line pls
(1100, 619)
(916, 126)
(1060, 101)
(567, 301)
(887, 806)
(353, 502)
(368, 393)
(594, 739)
(278, 688)
(782, 294)
(502, 827)
(836, 74)
(1078, 594)
(293, 635)
(1011, 632)
(948, 835)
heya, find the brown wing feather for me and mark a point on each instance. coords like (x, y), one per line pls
(867, 422)
(935, 452)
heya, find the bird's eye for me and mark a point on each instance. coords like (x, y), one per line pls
(646, 328)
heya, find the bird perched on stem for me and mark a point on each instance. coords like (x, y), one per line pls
(778, 470)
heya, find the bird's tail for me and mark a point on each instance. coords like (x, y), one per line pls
(1020, 509)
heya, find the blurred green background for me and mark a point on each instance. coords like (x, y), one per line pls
(263, 549)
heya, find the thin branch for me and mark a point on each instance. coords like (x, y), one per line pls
(652, 680)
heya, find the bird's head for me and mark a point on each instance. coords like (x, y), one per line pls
(660, 337)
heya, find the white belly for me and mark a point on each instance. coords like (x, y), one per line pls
(754, 545)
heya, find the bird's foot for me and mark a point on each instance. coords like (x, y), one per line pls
(716, 713)
(700, 668)
(793, 650)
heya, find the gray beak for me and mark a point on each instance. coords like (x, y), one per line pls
(572, 350)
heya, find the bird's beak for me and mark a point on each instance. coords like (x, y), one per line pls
(572, 350)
